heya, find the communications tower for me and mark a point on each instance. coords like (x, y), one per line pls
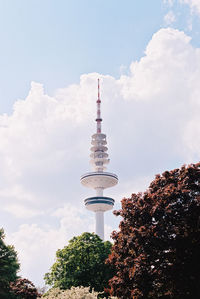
(99, 179)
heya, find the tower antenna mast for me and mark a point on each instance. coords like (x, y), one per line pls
(98, 119)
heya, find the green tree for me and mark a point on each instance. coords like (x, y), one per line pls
(82, 263)
(8, 267)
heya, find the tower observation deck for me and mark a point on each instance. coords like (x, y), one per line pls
(99, 179)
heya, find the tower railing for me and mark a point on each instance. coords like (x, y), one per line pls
(99, 173)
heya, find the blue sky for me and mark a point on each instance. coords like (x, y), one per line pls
(54, 42)
(147, 56)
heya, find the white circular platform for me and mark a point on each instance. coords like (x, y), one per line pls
(99, 203)
(101, 180)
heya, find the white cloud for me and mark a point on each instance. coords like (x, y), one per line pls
(158, 76)
(194, 5)
(169, 2)
(192, 137)
(169, 18)
(37, 245)
(21, 211)
(152, 123)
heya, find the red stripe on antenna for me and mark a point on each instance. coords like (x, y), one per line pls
(98, 119)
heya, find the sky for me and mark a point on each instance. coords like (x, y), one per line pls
(147, 56)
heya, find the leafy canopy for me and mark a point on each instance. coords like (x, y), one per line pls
(23, 288)
(73, 293)
(81, 263)
(156, 251)
(8, 267)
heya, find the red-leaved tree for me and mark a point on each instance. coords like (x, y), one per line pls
(24, 289)
(157, 249)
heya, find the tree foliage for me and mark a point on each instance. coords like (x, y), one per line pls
(23, 288)
(81, 263)
(8, 267)
(73, 293)
(156, 251)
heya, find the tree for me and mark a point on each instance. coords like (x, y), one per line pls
(73, 293)
(156, 251)
(8, 267)
(81, 263)
(23, 288)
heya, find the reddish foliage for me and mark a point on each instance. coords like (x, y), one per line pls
(156, 251)
(24, 289)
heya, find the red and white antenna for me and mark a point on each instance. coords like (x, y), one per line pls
(98, 119)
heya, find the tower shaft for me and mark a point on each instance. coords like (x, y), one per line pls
(99, 226)
(99, 217)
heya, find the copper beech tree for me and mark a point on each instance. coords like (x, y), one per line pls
(157, 249)
(23, 288)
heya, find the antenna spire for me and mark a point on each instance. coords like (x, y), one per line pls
(98, 119)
